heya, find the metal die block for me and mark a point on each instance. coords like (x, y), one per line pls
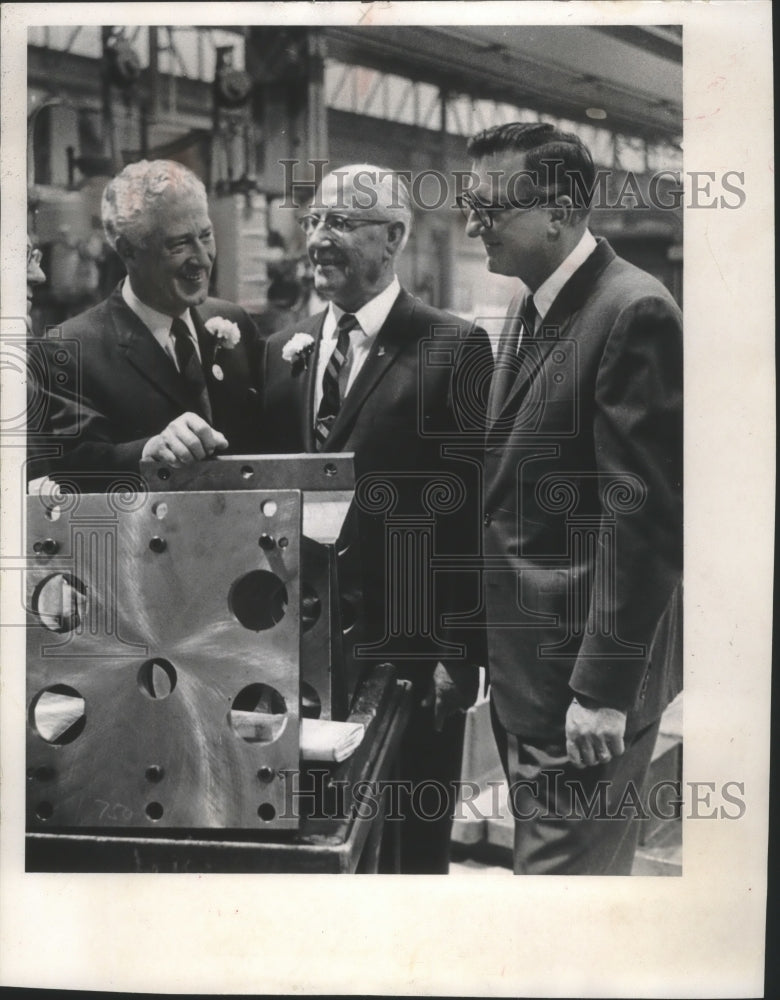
(310, 473)
(163, 661)
(323, 690)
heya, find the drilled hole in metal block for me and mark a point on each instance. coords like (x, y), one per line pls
(311, 703)
(258, 714)
(155, 773)
(311, 606)
(154, 810)
(330, 470)
(42, 773)
(58, 714)
(258, 600)
(160, 510)
(44, 810)
(59, 602)
(266, 812)
(53, 513)
(157, 678)
(247, 472)
(265, 774)
(269, 507)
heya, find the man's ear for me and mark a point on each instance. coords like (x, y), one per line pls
(562, 211)
(395, 234)
(125, 248)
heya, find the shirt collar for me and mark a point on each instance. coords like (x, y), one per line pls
(373, 314)
(548, 291)
(159, 323)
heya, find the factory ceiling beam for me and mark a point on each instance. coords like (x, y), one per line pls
(558, 71)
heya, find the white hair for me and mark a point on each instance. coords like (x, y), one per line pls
(129, 200)
(375, 186)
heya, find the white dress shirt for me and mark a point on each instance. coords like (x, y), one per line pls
(547, 292)
(371, 318)
(159, 324)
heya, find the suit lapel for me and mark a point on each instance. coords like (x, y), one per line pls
(207, 348)
(308, 384)
(390, 340)
(206, 344)
(143, 352)
(558, 319)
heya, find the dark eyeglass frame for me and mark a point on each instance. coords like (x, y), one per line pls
(467, 203)
(335, 223)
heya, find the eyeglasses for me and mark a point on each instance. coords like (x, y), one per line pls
(34, 257)
(467, 203)
(336, 223)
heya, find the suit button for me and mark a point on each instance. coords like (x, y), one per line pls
(487, 519)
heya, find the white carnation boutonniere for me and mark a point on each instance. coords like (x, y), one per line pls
(227, 335)
(297, 351)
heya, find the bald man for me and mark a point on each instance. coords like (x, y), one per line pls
(356, 382)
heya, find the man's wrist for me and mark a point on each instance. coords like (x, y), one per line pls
(592, 704)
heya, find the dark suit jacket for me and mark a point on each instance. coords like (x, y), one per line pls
(396, 418)
(125, 388)
(583, 507)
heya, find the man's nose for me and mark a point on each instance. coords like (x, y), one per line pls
(35, 275)
(317, 237)
(205, 252)
(473, 225)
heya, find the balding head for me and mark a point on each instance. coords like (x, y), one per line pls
(367, 189)
(356, 226)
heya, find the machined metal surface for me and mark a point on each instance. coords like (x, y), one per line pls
(330, 580)
(163, 660)
(252, 472)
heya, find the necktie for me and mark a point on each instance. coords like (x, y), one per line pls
(334, 380)
(190, 367)
(508, 364)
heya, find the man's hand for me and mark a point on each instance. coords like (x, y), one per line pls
(186, 439)
(453, 689)
(594, 733)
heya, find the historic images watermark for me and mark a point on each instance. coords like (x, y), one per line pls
(317, 794)
(431, 189)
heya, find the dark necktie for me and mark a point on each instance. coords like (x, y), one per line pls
(190, 367)
(334, 380)
(508, 363)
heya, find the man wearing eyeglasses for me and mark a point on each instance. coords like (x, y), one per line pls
(157, 377)
(355, 382)
(582, 516)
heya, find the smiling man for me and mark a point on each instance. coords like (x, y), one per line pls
(354, 380)
(582, 519)
(162, 371)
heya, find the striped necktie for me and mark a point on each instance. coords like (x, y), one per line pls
(190, 367)
(334, 380)
(507, 362)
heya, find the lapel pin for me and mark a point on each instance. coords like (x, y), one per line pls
(217, 372)
(381, 352)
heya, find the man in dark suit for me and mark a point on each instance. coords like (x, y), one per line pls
(582, 507)
(353, 379)
(162, 371)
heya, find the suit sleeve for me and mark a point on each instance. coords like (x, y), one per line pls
(468, 406)
(85, 433)
(638, 437)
